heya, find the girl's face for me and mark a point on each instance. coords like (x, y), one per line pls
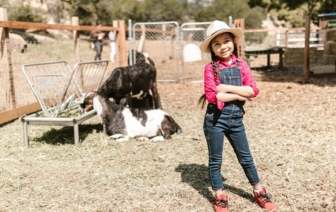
(222, 45)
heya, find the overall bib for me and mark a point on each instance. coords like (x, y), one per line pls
(229, 123)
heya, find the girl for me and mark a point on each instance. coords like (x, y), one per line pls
(228, 83)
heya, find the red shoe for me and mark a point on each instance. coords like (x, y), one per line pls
(264, 200)
(221, 203)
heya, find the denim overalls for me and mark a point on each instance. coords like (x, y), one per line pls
(228, 122)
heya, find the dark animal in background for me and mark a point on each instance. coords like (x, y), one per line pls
(139, 57)
(122, 123)
(135, 81)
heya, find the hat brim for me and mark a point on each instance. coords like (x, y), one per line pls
(237, 32)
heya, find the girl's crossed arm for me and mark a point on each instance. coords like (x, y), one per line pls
(227, 93)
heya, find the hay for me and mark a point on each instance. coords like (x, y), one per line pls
(331, 34)
(327, 69)
(291, 130)
(296, 55)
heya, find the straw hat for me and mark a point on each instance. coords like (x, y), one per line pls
(216, 28)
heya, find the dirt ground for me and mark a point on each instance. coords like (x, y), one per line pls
(291, 130)
(290, 127)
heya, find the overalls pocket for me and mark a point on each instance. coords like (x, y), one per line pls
(211, 115)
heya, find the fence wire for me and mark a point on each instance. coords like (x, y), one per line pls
(160, 41)
(49, 48)
(292, 42)
(192, 35)
(173, 48)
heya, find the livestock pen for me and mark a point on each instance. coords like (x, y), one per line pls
(290, 127)
(17, 99)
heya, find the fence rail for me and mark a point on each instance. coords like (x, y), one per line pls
(170, 42)
(14, 91)
(289, 38)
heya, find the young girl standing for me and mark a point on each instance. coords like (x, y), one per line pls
(228, 83)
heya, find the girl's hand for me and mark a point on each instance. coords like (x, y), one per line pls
(241, 98)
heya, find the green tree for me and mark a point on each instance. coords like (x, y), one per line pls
(237, 9)
(25, 14)
(293, 11)
(327, 6)
(85, 10)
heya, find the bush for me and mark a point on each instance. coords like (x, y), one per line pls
(26, 14)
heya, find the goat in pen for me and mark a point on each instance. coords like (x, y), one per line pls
(135, 81)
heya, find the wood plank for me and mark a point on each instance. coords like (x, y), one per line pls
(18, 112)
(122, 43)
(29, 25)
(277, 30)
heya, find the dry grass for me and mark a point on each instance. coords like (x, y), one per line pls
(290, 126)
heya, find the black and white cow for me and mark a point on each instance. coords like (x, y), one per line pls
(122, 123)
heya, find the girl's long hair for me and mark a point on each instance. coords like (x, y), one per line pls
(215, 67)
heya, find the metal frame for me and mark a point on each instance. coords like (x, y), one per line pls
(60, 89)
(176, 48)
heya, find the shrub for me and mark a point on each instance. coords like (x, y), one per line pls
(26, 14)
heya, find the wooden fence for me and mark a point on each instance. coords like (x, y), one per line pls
(12, 110)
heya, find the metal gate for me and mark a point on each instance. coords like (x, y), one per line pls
(174, 49)
(160, 41)
(192, 35)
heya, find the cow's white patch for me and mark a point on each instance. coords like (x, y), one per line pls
(142, 139)
(119, 137)
(134, 127)
(116, 136)
(157, 138)
(97, 105)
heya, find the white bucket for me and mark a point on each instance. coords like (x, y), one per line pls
(191, 53)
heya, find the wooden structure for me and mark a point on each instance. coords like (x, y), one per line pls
(256, 51)
(13, 111)
(327, 20)
(240, 23)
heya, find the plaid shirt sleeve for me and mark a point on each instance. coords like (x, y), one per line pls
(247, 77)
(210, 84)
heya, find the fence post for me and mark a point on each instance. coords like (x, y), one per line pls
(115, 24)
(142, 39)
(75, 22)
(6, 50)
(2, 31)
(278, 38)
(239, 23)
(122, 43)
(306, 49)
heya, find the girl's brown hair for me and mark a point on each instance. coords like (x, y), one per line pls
(215, 67)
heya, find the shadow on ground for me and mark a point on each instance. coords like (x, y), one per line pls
(65, 135)
(197, 177)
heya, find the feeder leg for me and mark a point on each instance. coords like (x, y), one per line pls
(25, 133)
(76, 134)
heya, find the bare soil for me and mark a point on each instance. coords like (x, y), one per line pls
(290, 127)
(291, 130)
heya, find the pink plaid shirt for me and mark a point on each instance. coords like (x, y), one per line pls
(210, 83)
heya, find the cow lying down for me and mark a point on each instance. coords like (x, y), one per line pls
(122, 123)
